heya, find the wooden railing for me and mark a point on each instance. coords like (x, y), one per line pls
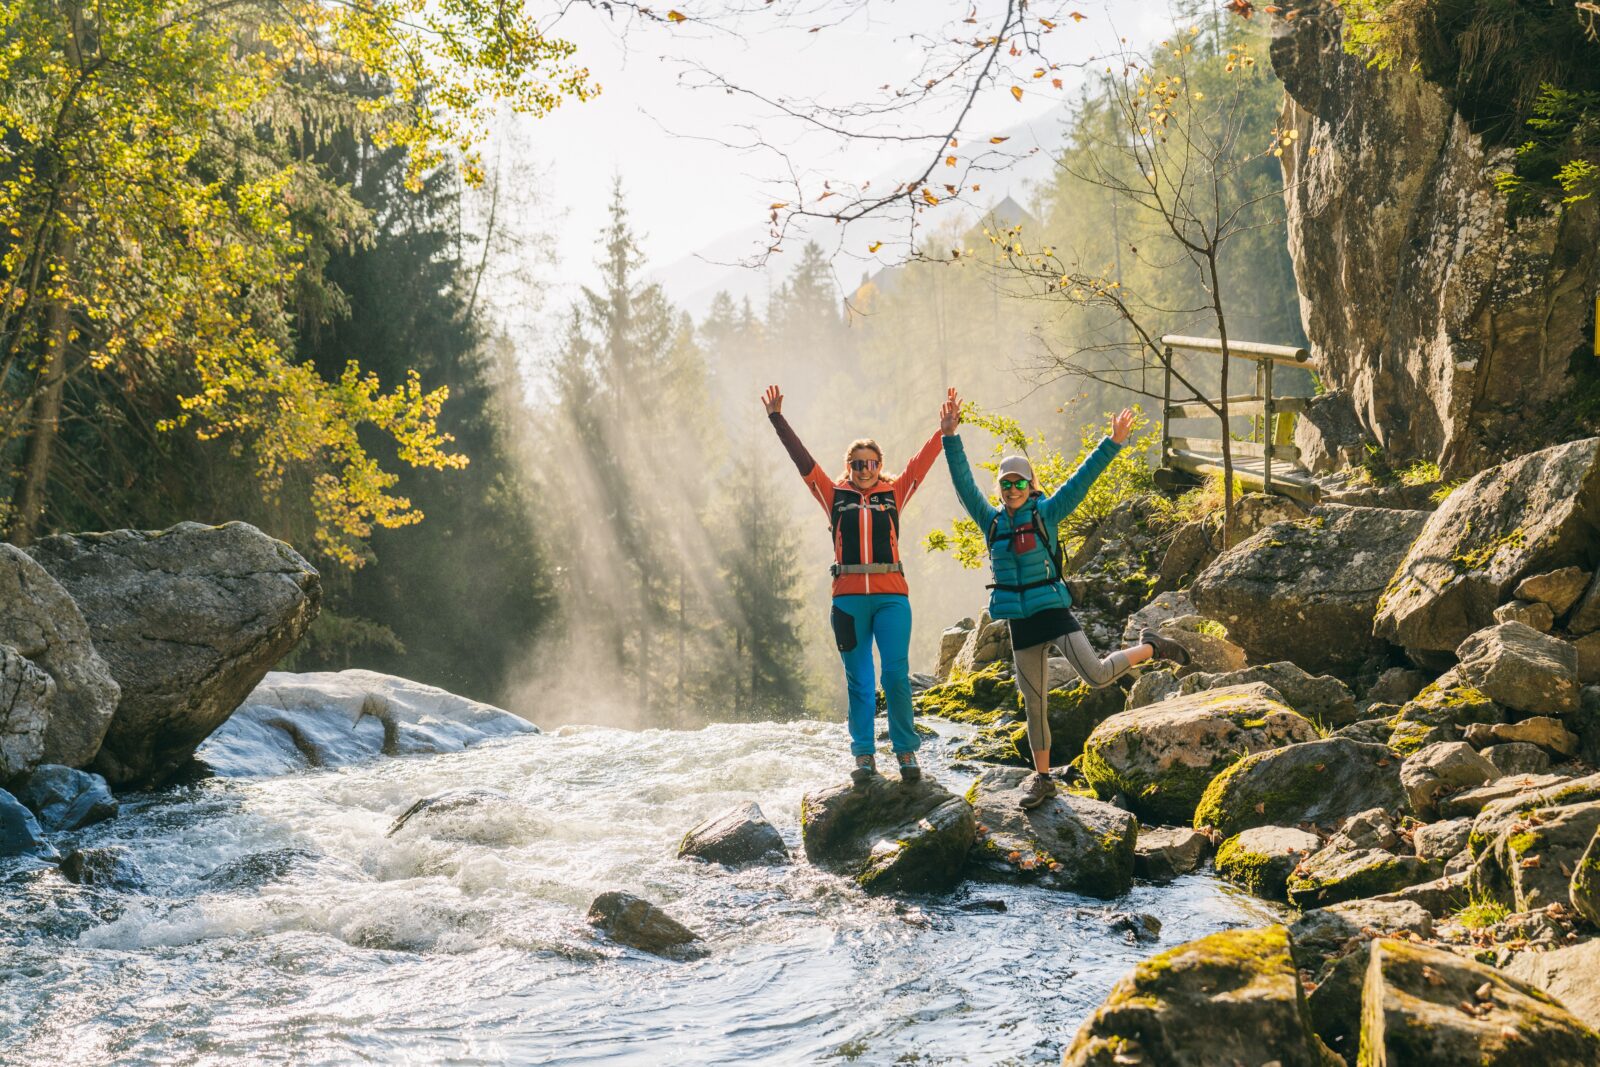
(1272, 417)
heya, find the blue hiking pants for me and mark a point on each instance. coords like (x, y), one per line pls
(858, 621)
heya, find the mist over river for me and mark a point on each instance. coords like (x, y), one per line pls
(279, 924)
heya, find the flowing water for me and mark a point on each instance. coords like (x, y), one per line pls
(278, 924)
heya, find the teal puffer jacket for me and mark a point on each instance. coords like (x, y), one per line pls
(1011, 568)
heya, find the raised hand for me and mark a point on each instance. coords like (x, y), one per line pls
(1121, 424)
(772, 400)
(950, 412)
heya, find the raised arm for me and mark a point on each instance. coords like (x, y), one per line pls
(810, 471)
(1065, 500)
(972, 499)
(910, 480)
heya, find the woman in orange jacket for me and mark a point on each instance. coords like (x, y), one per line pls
(870, 597)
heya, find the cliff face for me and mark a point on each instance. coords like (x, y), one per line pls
(1450, 327)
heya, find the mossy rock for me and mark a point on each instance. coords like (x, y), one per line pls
(1409, 738)
(1412, 1013)
(1321, 782)
(982, 698)
(1259, 859)
(1451, 705)
(1232, 997)
(1524, 857)
(1333, 875)
(1070, 842)
(1004, 742)
(1162, 757)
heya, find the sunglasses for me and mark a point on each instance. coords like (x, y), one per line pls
(1007, 483)
(863, 464)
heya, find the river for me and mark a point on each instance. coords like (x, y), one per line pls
(278, 924)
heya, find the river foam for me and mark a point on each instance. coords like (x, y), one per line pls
(280, 924)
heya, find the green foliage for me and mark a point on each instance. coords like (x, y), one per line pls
(153, 187)
(1128, 476)
(1482, 912)
(1523, 74)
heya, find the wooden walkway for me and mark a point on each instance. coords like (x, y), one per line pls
(1267, 459)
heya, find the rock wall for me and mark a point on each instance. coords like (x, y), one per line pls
(1450, 327)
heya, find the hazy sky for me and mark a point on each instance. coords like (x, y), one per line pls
(690, 192)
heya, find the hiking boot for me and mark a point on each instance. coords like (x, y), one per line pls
(1165, 647)
(1041, 787)
(866, 770)
(909, 771)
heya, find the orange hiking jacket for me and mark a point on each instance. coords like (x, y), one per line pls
(875, 540)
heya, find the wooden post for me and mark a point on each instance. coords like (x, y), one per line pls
(1270, 436)
(1166, 402)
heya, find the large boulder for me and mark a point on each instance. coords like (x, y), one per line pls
(1232, 997)
(1073, 710)
(987, 642)
(1069, 842)
(26, 693)
(1261, 858)
(982, 698)
(1527, 857)
(40, 620)
(333, 719)
(1532, 514)
(1321, 782)
(1426, 1005)
(1449, 322)
(64, 798)
(1518, 667)
(1307, 591)
(1321, 698)
(1330, 944)
(1334, 874)
(1162, 757)
(738, 837)
(190, 619)
(1557, 590)
(950, 643)
(1443, 767)
(889, 837)
(637, 923)
(1570, 974)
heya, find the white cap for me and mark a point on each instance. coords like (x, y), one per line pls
(1015, 465)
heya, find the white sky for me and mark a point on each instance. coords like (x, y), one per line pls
(688, 191)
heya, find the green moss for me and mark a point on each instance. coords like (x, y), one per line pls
(1477, 559)
(1409, 738)
(1245, 868)
(1229, 803)
(1480, 913)
(1526, 841)
(982, 698)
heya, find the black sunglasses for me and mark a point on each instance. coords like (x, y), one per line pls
(863, 464)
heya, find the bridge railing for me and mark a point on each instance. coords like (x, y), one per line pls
(1272, 420)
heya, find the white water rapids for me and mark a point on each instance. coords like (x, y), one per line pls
(278, 924)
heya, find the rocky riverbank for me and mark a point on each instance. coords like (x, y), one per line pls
(1404, 759)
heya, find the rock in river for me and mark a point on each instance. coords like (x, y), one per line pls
(26, 694)
(1260, 858)
(738, 837)
(189, 619)
(65, 799)
(890, 837)
(1069, 842)
(19, 831)
(637, 923)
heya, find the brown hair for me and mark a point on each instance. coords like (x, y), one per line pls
(858, 443)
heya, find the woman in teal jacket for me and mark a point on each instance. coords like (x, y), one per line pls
(1023, 536)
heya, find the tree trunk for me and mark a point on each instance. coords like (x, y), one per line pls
(1227, 429)
(45, 419)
